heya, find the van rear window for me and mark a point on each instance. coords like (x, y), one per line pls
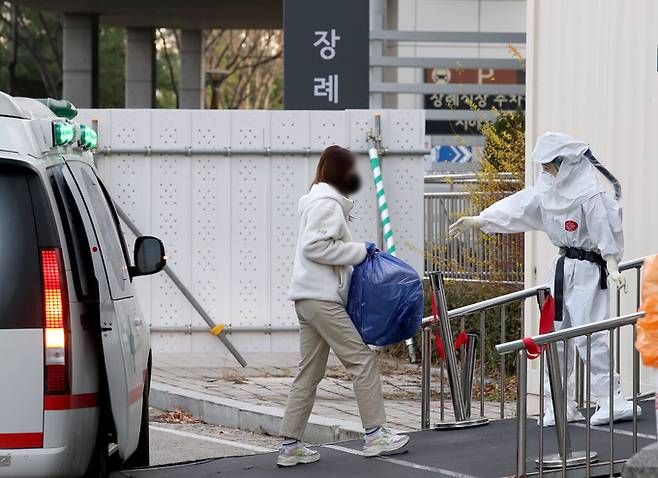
(20, 272)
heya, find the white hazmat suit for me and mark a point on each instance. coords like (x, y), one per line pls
(579, 217)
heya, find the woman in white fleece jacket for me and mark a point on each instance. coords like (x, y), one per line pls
(320, 284)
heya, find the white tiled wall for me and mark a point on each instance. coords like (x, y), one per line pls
(229, 224)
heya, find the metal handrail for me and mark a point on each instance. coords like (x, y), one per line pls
(558, 383)
(570, 333)
(513, 297)
(466, 177)
(489, 303)
(456, 194)
(632, 264)
(448, 37)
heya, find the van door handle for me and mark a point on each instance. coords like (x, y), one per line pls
(138, 322)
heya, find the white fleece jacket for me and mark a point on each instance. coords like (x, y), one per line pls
(325, 252)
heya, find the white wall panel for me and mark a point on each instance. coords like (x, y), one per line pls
(249, 130)
(130, 129)
(211, 130)
(327, 128)
(592, 74)
(170, 220)
(289, 130)
(229, 222)
(287, 185)
(403, 177)
(405, 130)
(171, 129)
(249, 229)
(211, 215)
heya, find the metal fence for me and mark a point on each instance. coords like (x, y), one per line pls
(381, 42)
(567, 457)
(474, 256)
(550, 362)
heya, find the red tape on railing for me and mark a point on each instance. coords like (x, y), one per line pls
(462, 338)
(531, 348)
(546, 325)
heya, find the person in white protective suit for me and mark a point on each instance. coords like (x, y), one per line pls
(584, 222)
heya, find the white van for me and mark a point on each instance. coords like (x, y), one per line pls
(76, 354)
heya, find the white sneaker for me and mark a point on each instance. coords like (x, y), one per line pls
(294, 455)
(573, 415)
(623, 410)
(383, 442)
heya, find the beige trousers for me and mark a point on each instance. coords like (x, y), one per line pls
(324, 325)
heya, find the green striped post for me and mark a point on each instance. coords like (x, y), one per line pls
(387, 229)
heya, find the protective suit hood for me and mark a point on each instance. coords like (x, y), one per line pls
(576, 180)
(550, 145)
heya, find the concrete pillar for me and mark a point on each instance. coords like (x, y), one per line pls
(191, 70)
(377, 22)
(80, 59)
(140, 68)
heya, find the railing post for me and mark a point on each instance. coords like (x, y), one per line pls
(521, 412)
(565, 456)
(426, 356)
(468, 371)
(557, 396)
(445, 333)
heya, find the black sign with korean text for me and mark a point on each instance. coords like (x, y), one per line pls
(326, 54)
(455, 101)
(468, 102)
(453, 127)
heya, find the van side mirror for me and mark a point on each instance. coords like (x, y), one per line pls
(149, 256)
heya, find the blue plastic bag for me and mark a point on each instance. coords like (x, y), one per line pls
(385, 301)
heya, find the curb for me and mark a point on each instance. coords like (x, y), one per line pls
(247, 416)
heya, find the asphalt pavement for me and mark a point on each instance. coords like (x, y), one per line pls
(487, 451)
(177, 437)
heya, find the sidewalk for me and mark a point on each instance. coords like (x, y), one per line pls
(217, 390)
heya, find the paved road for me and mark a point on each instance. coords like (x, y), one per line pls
(466, 453)
(185, 440)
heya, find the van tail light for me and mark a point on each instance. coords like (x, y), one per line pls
(55, 314)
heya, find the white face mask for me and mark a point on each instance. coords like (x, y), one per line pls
(544, 181)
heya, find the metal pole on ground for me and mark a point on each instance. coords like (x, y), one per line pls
(521, 412)
(445, 333)
(565, 457)
(468, 371)
(426, 358)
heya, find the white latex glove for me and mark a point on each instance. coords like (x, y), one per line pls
(463, 225)
(613, 273)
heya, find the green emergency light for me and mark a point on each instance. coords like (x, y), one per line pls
(63, 133)
(61, 108)
(88, 137)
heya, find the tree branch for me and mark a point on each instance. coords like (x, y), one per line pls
(170, 66)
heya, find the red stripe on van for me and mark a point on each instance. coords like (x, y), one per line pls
(70, 402)
(10, 441)
(135, 394)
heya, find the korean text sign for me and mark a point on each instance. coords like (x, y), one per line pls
(325, 54)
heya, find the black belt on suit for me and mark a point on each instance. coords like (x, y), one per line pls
(582, 255)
